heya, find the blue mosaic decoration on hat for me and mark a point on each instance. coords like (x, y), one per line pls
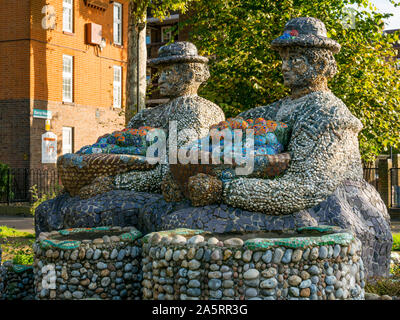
(305, 32)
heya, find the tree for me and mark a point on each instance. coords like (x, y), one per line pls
(246, 71)
(137, 53)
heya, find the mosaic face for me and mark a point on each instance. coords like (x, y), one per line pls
(296, 69)
(177, 80)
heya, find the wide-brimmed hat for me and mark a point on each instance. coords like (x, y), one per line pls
(305, 32)
(177, 52)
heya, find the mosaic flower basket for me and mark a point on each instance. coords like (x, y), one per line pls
(79, 170)
(265, 166)
(88, 263)
(310, 263)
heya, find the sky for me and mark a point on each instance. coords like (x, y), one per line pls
(384, 6)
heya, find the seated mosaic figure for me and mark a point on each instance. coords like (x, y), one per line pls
(117, 160)
(323, 144)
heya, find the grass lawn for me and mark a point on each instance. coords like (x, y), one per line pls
(396, 242)
(16, 245)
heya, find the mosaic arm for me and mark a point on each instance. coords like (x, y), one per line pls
(324, 150)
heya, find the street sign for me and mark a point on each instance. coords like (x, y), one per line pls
(49, 147)
(42, 114)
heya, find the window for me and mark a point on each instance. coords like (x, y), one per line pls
(148, 36)
(67, 78)
(117, 26)
(68, 15)
(117, 86)
(67, 140)
(166, 34)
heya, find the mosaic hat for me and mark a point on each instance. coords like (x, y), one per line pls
(305, 32)
(177, 52)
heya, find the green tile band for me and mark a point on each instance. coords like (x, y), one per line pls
(19, 268)
(131, 236)
(66, 232)
(64, 245)
(300, 242)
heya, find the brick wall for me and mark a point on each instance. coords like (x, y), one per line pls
(14, 132)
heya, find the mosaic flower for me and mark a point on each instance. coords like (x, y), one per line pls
(260, 129)
(238, 123)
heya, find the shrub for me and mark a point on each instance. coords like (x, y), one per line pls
(383, 286)
(4, 181)
(39, 199)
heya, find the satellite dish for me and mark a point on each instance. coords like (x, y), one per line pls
(102, 44)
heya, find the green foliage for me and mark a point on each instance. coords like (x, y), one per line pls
(5, 180)
(6, 232)
(383, 286)
(17, 245)
(39, 199)
(158, 9)
(23, 256)
(396, 242)
(246, 72)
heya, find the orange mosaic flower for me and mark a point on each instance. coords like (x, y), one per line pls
(260, 121)
(238, 123)
(260, 129)
(223, 125)
(271, 125)
(133, 131)
(117, 134)
(250, 122)
(145, 128)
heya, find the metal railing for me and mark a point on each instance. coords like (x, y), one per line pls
(16, 184)
(395, 187)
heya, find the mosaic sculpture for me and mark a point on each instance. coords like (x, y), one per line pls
(322, 185)
(121, 155)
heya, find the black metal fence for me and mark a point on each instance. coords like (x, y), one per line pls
(21, 184)
(395, 187)
(16, 184)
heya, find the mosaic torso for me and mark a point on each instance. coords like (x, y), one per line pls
(324, 152)
(189, 112)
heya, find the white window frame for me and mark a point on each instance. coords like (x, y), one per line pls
(117, 87)
(68, 16)
(117, 23)
(168, 32)
(68, 78)
(67, 140)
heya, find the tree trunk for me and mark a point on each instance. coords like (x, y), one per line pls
(136, 69)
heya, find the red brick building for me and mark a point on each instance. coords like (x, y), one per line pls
(64, 57)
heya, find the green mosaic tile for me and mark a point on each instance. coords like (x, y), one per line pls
(343, 238)
(19, 268)
(66, 232)
(64, 245)
(319, 228)
(131, 236)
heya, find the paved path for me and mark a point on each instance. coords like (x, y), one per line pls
(27, 223)
(20, 223)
